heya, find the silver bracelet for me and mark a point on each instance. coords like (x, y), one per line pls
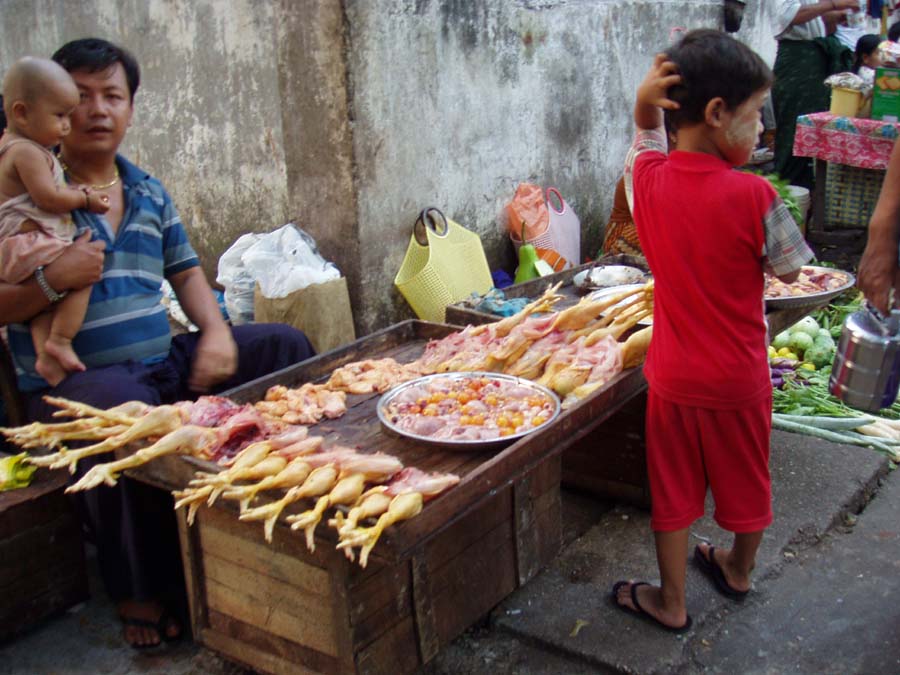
(48, 290)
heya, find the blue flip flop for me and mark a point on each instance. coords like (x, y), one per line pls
(640, 612)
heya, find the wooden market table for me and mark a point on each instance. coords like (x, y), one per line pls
(279, 608)
(851, 155)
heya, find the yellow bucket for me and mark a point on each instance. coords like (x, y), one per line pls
(845, 102)
(442, 265)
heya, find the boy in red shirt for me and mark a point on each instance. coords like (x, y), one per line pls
(708, 233)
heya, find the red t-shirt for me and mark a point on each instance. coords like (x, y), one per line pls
(701, 226)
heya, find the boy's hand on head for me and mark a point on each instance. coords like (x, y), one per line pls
(654, 90)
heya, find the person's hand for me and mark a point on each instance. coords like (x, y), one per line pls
(878, 274)
(654, 90)
(97, 202)
(215, 359)
(79, 265)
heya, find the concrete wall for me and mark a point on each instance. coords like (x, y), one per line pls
(349, 116)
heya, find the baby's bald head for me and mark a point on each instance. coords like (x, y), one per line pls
(30, 79)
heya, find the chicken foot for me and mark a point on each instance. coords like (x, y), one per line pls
(320, 481)
(188, 439)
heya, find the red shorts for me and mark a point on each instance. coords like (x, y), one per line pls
(690, 449)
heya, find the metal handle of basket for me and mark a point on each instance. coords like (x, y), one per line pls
(427, 219)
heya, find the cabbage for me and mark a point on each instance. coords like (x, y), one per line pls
(806, 325)
(824, 340)
(819, 356)
(800, 342)
(783, 339)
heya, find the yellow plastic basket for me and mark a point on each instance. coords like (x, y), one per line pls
(444, 263)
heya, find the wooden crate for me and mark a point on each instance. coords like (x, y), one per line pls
(279, 608)
(42, 569)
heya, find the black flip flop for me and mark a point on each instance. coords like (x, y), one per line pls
(640, 612)
(160, 626)
(713, 570)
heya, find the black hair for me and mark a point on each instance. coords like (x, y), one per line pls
(864, 46)
(94, 55)
(2, 115)
(713, 64)
(894, 32)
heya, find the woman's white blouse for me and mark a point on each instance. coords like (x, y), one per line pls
(784, 13)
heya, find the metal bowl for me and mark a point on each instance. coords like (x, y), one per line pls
(812, 298)
(464, 445)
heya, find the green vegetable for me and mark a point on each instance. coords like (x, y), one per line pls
(528, 259)
(819, 355)
(782, 340)
(800, 342)
(15, 472)
(825, 341)
(846, 437)
(806, 325)
(781, 187)
(823, 333)
(826, 423)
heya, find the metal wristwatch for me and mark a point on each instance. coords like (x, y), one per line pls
(51, 294)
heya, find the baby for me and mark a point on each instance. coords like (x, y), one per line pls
(35, 223)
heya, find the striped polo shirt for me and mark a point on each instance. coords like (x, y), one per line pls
(125, 320)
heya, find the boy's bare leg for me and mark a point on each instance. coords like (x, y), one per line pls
(45, 364)
(67, 319)
(737, 563)
(668, 602)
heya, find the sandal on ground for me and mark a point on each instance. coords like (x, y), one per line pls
(711, 568)
(165, 621)
(640, 612)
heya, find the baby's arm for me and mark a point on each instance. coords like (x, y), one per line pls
(37, 179)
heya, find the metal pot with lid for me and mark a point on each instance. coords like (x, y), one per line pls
(866, 369)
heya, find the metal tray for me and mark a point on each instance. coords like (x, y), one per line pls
(464, 445)
(812, 298)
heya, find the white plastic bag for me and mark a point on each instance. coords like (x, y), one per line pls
(237, 280)
(282, 262)
(287, 260)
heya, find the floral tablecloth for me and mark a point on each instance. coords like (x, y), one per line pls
(853, 141)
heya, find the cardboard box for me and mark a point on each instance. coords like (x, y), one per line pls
(886, 95)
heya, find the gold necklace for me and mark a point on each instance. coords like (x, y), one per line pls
(101, 186)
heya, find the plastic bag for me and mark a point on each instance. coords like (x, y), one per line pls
(282, 262)
(529, 207)
(557, 233)
(237, 280)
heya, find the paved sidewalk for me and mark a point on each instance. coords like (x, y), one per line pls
(825, 599)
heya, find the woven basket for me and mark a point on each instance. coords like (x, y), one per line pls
(444, 263)
(850, 196)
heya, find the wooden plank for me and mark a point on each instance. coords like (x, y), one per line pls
(258, 660)
(192, 563)
(526, 535)
(393, 653)
(305, 605)
(426, 630)
(20, 614)
(390, 588)
(340, 612)
(289, 544)
(475, 582)
(38, 504)
(41, 546)
(259, 604)
(259, 558)
(45, 591)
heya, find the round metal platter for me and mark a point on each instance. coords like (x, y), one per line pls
(464, 445)
(812, 298)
